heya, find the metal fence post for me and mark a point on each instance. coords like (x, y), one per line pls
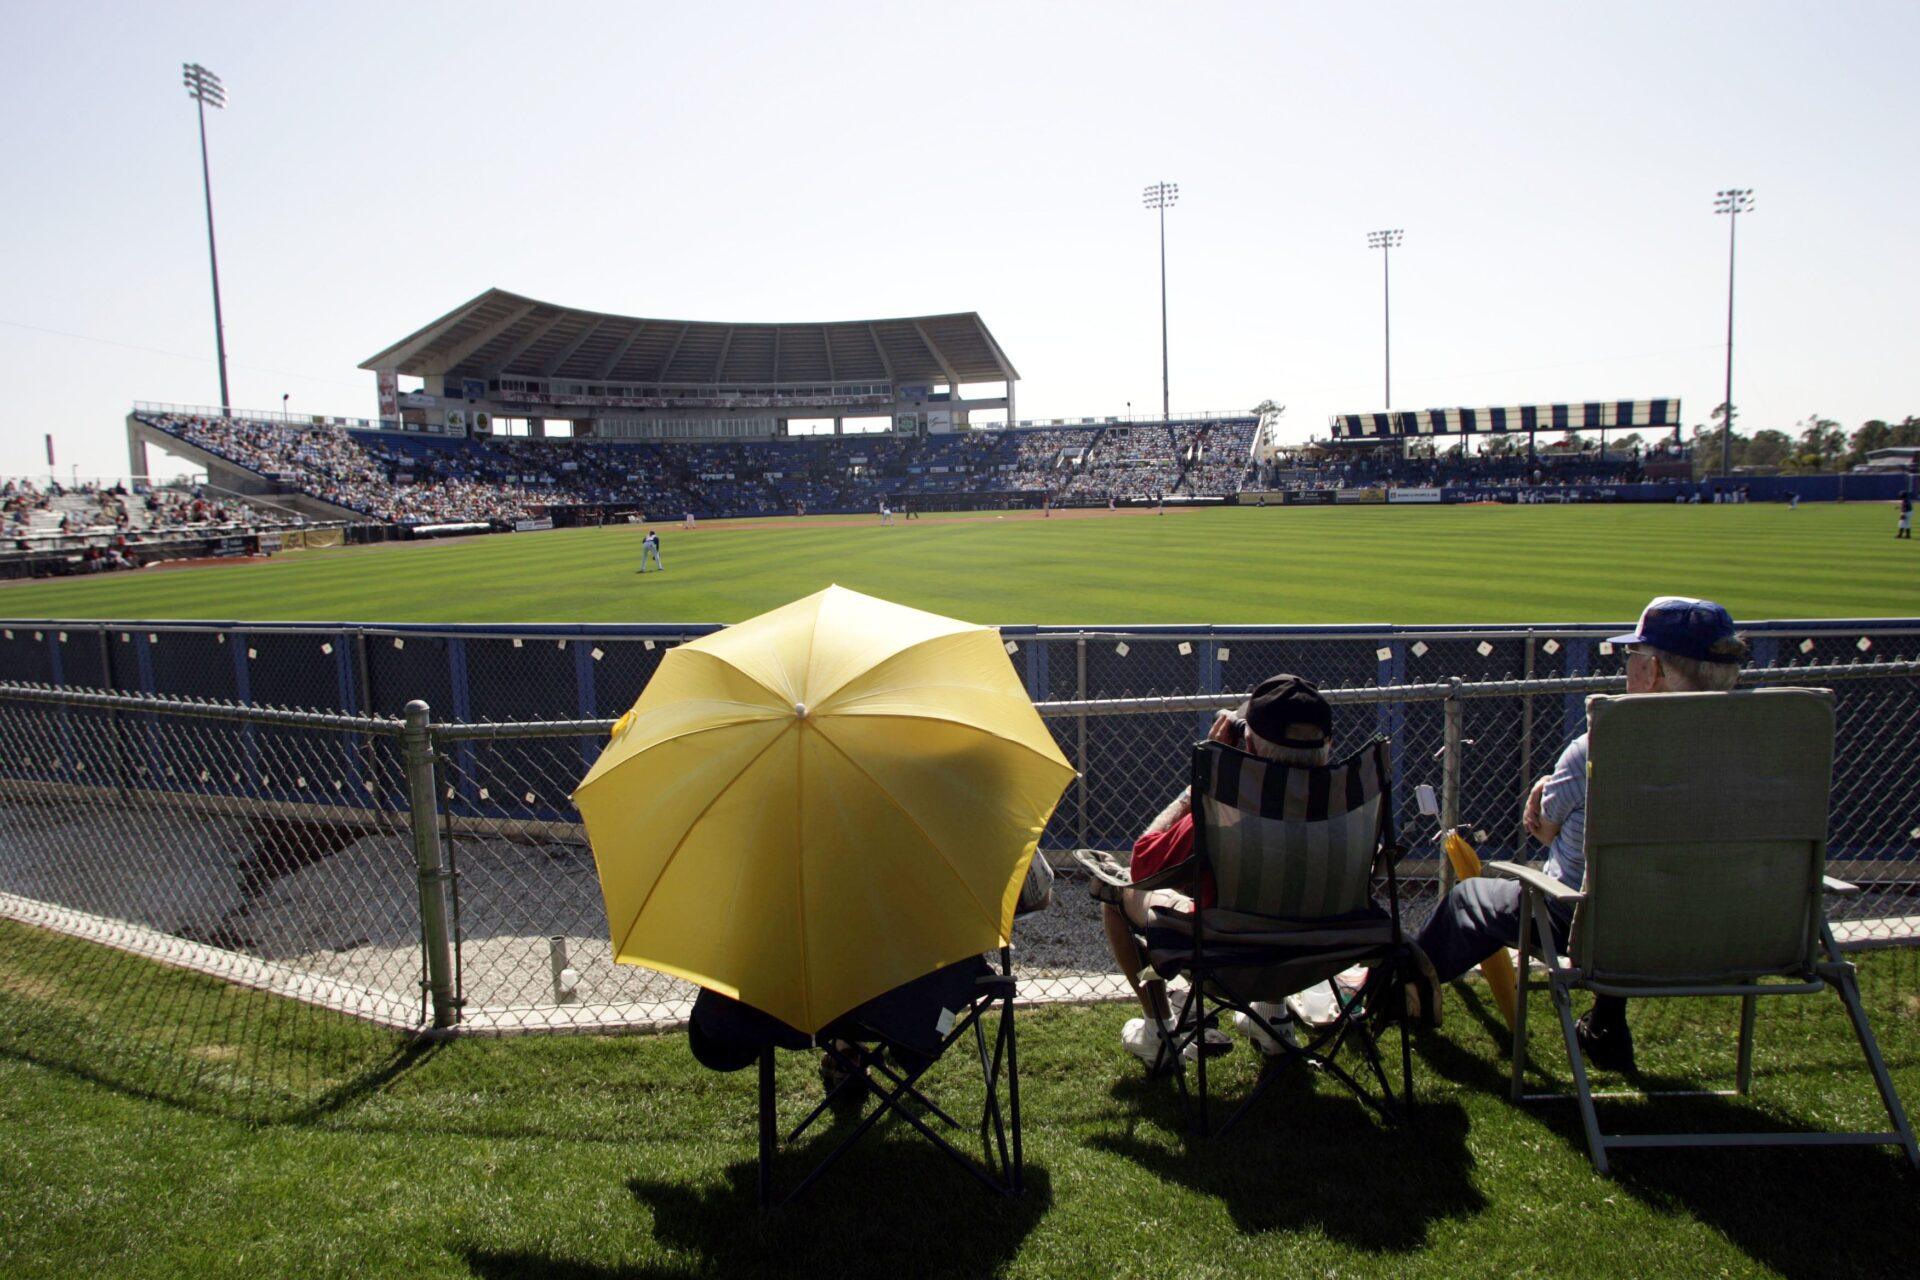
(423, 809)
(1454, 711)
(1080, 748)
(1526, 753)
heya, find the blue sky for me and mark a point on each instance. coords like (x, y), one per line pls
(1553, 168)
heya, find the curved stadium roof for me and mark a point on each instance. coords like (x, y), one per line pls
(501, 334)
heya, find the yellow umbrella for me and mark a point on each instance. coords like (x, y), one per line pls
(810, 808)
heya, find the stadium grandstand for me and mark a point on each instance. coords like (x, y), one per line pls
(526, 411)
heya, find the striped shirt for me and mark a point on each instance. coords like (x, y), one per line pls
(1564, 801)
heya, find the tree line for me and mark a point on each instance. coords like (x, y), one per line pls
(1816, 444)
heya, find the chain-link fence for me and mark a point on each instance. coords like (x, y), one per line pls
(418, 875)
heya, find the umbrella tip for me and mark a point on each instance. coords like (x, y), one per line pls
(800, 710)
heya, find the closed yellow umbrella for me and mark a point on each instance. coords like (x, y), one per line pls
(815, 806)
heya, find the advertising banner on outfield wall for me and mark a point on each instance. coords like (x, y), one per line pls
(1413, 495)
(530, 526)
(1347, 497)
(1309, 497)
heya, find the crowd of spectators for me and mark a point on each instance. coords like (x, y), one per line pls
(423, 480)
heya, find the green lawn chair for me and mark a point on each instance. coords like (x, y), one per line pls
(1706, 846)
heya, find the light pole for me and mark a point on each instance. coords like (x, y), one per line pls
(1733, 202)
(1162, 196)
(1386, 241)
(205, 89)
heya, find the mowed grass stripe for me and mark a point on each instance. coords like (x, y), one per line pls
(1247, 565)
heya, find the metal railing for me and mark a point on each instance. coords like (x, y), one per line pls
(422, 875)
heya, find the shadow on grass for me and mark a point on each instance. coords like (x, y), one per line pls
(1308, 1156)
(1798, 1211)
(190, 1041)
(898, 1209)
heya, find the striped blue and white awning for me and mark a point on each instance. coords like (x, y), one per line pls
(1590, 415)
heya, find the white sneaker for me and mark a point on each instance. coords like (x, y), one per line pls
(1279, 1017)
(1141, 1037)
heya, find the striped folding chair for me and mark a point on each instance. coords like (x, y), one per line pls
(1295, 854)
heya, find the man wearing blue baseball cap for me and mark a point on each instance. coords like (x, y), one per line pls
(1682, 645)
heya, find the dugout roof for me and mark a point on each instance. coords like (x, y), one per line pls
(1588, 415)
(504, 334)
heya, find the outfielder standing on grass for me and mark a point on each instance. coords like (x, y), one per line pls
(1905, 528)
(650, 550)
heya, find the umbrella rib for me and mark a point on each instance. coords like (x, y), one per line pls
(924, 835)
(685, 835)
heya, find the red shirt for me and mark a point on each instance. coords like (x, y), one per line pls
(1160, 849)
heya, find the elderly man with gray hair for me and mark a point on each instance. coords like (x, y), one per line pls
(1682, 645)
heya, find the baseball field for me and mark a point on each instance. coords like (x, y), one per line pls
(1225, 565)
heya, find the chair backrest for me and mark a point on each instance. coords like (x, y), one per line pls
(1287, 840)
(1706, 834)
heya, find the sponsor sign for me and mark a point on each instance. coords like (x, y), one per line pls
(387, 382)
(473, 388)
(531, 526)
(1309, 497)
(1349, 497)
(419, 400)
(1413, 495)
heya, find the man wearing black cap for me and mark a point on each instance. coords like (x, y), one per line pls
(1285, 720)
(1682, 645)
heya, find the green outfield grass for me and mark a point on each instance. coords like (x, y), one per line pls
(1245, 565)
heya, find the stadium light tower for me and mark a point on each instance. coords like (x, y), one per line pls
(205, 89)
(1733, 202)
(1386, 242)
(1162, 196)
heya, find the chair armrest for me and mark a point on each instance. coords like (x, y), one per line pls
(1838, 888)
(1533, 879)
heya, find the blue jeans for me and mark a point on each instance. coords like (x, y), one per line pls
(1477, 918)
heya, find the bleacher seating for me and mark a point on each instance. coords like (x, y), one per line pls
(409, 479)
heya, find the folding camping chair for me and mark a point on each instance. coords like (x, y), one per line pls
(913, 1025)
(1706, 844)
(1294, 853)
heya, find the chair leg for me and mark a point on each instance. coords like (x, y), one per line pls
(1013, 1091)
(1850, 994)
(1197, 1008)
(1743, 1074)
(1563, 1005)
(1516, 1089)
(766, 1127)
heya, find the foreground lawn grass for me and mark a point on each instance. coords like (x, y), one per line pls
(155, 1123)
(1299, 565)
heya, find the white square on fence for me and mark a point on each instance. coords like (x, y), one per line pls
(1483, 648)
(1806, 646)
(152, 638)
(9, 635)
(1863, 644)
(36, 635)
(399, 642)
(62, 637)
(1013, 646)
(1121, 648)
(483, 794)
(517, 642)
(300, 783)
(326, 646)
(1185, 648)
(1384, 653)
(124, 637)
(1223, 654)
(648, 643)
(560, 645)
(252, 653)
(219, 639)
(1419, 648)
(1551, 646)
(598, 653)
(1606, 648)
(529, 797)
